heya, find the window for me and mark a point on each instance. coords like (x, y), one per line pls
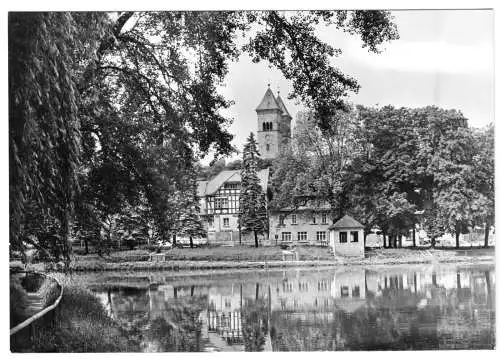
(323, 218)
(294, 219)
(286, 236)
(227, 303)
(354, 236)
(221, 202)
(313, 219)
(355, 292)
(267, 126)
(282, 220)
(302, 236)
(343, 237)
(344, 291)
(232, 185)
(268, 147)
(321, 236)
(210, 221)
(225, 222)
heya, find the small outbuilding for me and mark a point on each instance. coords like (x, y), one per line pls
(347, 238)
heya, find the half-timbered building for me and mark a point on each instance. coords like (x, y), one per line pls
(220, 206)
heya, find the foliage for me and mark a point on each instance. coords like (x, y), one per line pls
(44, 135)
(189, 223)
(484, 176)
(288, 41)
(253, 211)
(385, 165)
(121, 105)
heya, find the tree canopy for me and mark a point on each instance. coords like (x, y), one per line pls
(108, 109)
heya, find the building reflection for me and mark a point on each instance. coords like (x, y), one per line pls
(347, 309)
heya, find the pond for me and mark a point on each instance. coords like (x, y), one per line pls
(390, 308)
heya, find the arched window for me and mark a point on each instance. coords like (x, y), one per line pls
(268, 147)
(270, 126)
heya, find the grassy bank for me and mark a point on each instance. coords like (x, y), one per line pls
(82, 326)
(270, 257)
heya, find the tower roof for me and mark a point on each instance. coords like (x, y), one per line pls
(268, 102)
(282, 106)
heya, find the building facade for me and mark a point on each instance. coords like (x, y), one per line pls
(306, 225)
(220, 207)
(273, 126)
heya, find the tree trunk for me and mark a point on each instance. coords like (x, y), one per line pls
(457, 238)
(486, 234)
(191, 242)
(488, 287)
(364, 238)
(413, 236)
(256, 239)
(400, 237)
(86, 241)
(174, 240)
(385, 239)
(433, 242)
(66, 244)
(257, 291)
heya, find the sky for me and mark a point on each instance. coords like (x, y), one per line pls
(442, 58)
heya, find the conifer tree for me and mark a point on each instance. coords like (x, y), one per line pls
(190, 223)
(253, 211)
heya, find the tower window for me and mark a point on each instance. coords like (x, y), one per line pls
(267, 126)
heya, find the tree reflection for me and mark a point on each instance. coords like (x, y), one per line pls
(255, 321)
(179, 327)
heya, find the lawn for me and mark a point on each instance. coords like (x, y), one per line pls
(262, 257)
(224, 254)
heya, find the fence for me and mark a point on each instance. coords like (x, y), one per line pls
(23, 334)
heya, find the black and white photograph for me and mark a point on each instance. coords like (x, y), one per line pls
(260, 180)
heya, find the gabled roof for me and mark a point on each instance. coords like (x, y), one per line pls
(268, 102)
(282, 106)
(347, 222)
(211, 186)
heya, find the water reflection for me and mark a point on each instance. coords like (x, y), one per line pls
(358, 309)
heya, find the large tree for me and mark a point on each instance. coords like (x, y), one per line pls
(484, 177)
(253, 209)
(135, 95)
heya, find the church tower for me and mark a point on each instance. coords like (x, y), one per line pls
(273, 125)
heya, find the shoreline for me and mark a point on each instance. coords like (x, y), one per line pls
(174, 266)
